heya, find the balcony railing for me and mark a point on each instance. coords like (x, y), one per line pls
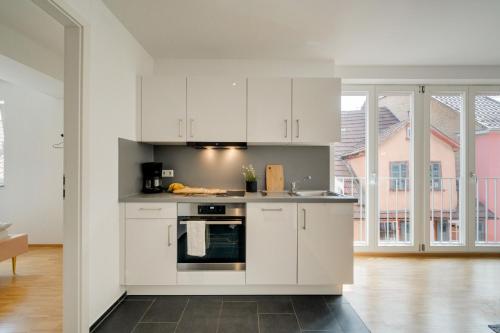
(444, 211)
(355, 186)
(444, 217)
(394, 210)
(487, 217)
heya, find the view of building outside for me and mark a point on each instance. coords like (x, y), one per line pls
(394, 167)
(445, 120)
(487, 115)
(348, 181)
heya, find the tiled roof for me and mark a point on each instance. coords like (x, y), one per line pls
(487, 109)
(353, 135)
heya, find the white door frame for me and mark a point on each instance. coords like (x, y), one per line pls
(75, 253)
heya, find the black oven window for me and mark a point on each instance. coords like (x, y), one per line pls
(225, 243)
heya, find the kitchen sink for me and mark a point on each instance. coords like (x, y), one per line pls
(314, 193)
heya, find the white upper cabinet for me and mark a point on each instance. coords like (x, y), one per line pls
(316, 110)
(269, 110)
(163, 109)
(303, 111)
(216, 109)
(271, 243)
(325, 249)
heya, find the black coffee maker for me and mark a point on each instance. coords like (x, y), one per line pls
(151, 177)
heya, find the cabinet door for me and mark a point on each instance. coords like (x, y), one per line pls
(316, 110)
(150, 251)
(163, 109)
(271, 243)
(269, 110)
(325, 249)
(216, 109)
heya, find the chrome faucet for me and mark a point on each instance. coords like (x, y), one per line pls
(295, 182)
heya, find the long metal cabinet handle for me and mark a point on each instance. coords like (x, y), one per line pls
(180, 128)
(305, 222)
(169, 235)
(272, 209)
(298, 128)
(142, 208)
(191, 127)
(286, 128)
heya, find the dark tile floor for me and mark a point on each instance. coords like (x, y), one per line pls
(239, 314)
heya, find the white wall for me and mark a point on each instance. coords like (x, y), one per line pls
(32, 196)
(116, 59)
(419, 74)
(244, 67)
(15, 45)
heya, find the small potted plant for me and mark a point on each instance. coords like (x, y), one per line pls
(250, 178)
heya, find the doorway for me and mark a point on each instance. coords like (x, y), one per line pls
(75, 272)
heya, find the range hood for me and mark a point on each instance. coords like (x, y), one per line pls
(217, 145)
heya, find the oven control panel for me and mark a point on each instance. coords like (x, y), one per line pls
(211, 209)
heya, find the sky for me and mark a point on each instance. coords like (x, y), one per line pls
(350, 103)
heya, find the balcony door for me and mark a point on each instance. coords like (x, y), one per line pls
(350, 156)
(484, 102)
(445, 193)
(392, 167)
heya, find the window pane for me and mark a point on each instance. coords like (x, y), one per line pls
(445, 222)
(487, 115)
(394, 150)
(350, 164)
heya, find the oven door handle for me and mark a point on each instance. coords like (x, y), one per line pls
(228, 222)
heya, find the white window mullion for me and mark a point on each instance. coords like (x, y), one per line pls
(371, 160)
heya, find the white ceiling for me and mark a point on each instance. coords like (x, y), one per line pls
(352, 32)
(28, 19)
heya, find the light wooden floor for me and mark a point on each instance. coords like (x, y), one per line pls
(390, 294)
(31, 301)
(426, 294)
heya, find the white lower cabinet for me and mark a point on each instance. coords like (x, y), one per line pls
(271, 243)
(150, 251)
(325, 248)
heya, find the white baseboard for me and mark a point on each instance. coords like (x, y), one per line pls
(235, 290)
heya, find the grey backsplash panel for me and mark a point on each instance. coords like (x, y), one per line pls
(222, 168)
(130, 156)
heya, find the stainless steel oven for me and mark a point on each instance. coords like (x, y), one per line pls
(224, 236)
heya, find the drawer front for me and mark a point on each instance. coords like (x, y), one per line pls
(148, 210)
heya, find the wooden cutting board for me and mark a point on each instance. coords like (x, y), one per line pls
(275, 181)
